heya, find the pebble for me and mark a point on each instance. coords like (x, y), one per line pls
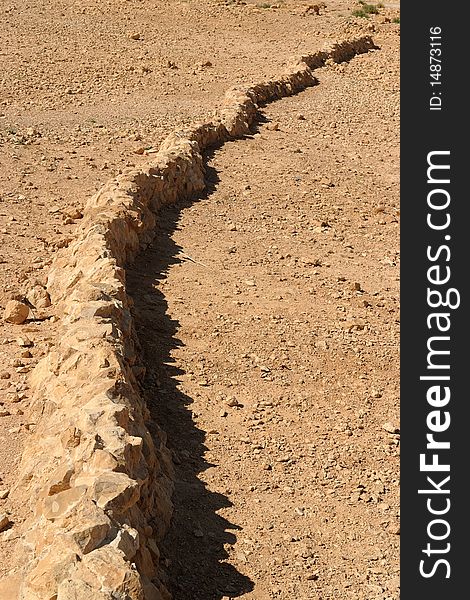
(4, 412)
(24, 342)
(135, 36)
(4, 494)
(390, 428)
(4, 521)
(273, 126)
(5, 375)
(232, 402)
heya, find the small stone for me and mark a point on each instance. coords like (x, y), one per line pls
(4, 494)
(390, 428)
(139, 150)
(356, 287)
(351, 324)
(26, 354)
(4, 412)
(394, 529)
(232, 402)
(223, 413)
(74, 213)
(273, 126)
(24, 342)
(39, 297)
(135, 36)
(326, 183)
(198, 533)
(5, 375)
(14, 430)
(301, 117)
(16, 312)
(4, 521)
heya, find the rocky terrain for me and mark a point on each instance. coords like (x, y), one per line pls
(267, 309)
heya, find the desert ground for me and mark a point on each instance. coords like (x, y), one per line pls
(267, 308)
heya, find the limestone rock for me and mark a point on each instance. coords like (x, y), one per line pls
(10, 587)
(16, 312)
(39, 297)
(4, 521)
(115, 491)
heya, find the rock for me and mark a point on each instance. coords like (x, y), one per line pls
(24, 342)
(4, 412)
(4, 521)
(10, 587)
(135, 36)
(74, 213)
(26, 354)
(106, 568)
(326, 183)
(53, 567)
(232, 402)
(59, 480)
(116, 491)
(60, 504)
(39, 297)
(90, 526)
(16, 312)
(394, 529)
(390, 428)
(5, 375)
(273, 126)
(127, 540)
(4, 494)
(301, 117)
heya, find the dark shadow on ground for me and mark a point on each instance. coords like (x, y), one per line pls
(193, 551)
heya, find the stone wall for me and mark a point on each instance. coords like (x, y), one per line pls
(96, 471)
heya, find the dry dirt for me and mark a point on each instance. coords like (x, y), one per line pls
(268, 309)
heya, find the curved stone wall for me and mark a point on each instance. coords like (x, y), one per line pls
(96, 471)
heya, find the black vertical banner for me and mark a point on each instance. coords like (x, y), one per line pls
(435, 259)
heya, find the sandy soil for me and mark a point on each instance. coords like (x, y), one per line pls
(268, 308)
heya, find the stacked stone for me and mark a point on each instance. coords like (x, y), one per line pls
(98, 483)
